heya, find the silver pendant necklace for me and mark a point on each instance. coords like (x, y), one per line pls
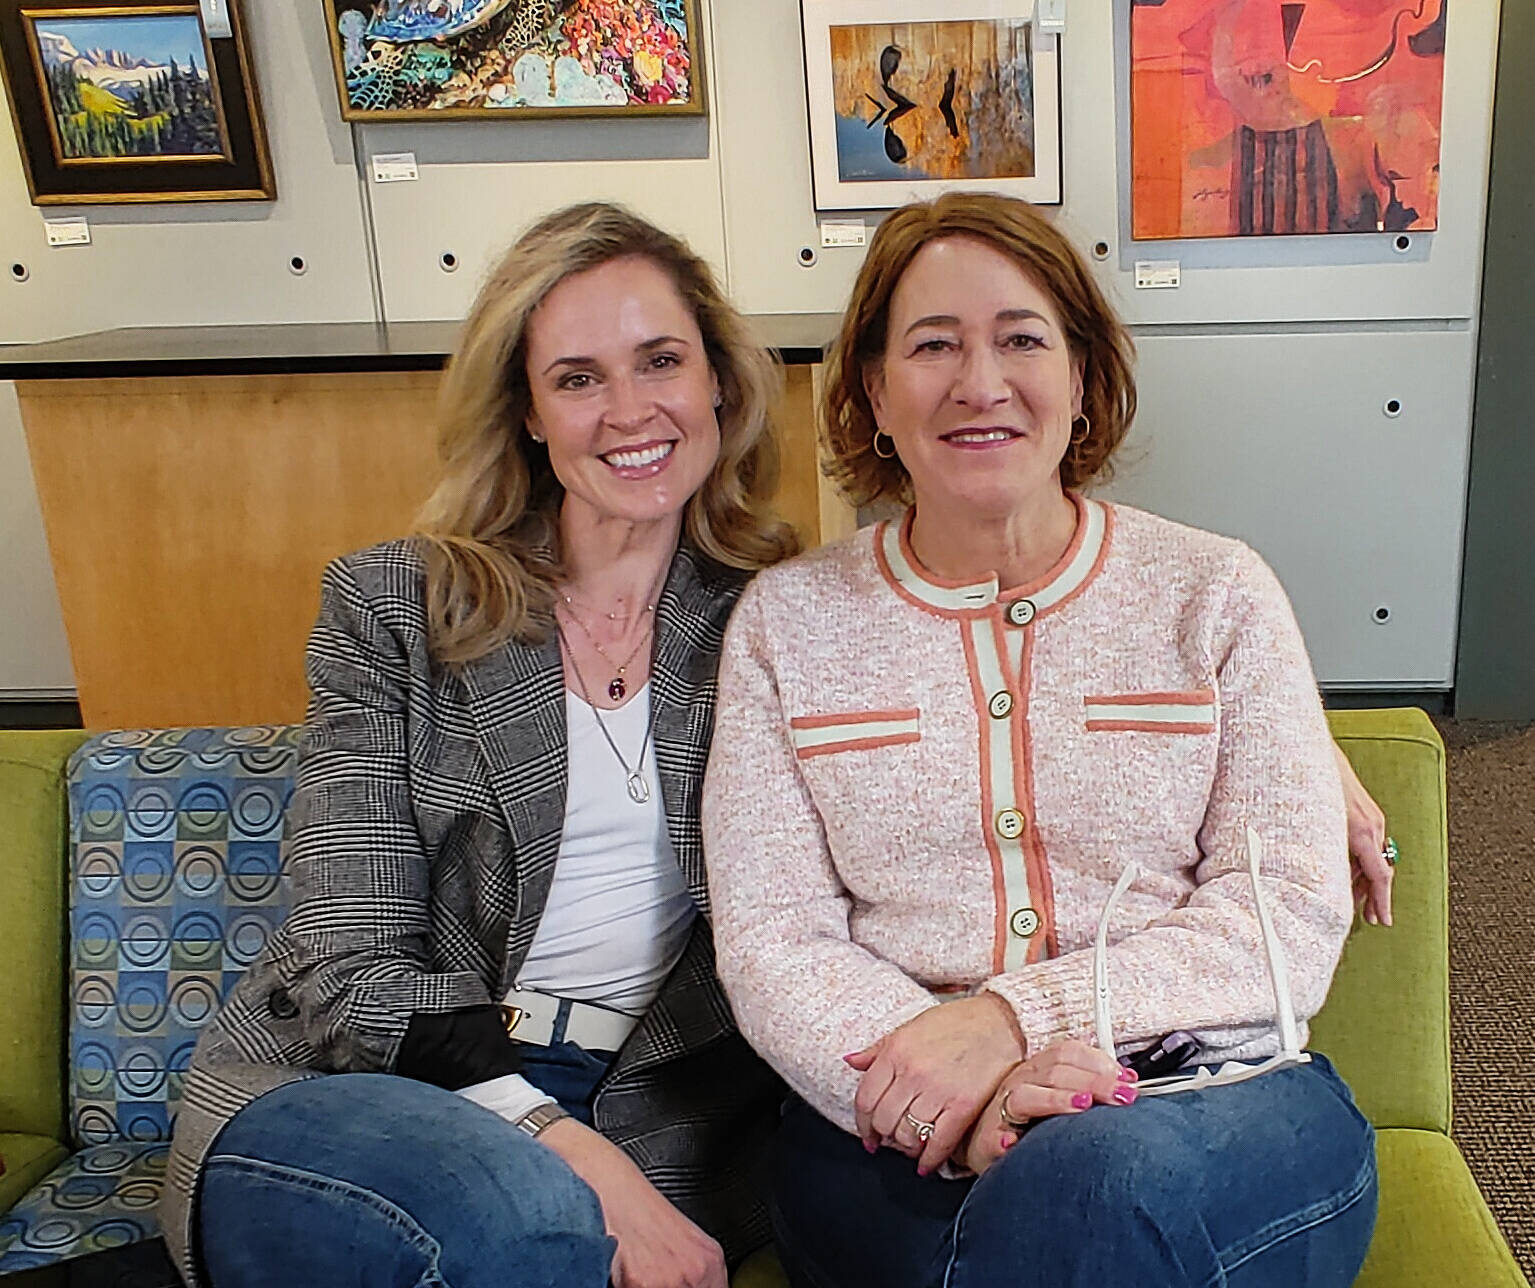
(634, 780)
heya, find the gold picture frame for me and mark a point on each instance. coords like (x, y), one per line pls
(116, 102)
(384, 75)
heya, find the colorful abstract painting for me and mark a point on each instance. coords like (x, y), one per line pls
(1273, 117)
(910, 97)
(430, 59)
(933, 100)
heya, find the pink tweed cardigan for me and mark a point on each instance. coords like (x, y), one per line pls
(919, 787)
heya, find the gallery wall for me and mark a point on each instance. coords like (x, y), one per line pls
(1266, 375)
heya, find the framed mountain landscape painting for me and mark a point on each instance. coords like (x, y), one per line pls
(120, 102)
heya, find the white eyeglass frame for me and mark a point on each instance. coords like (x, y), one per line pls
(1279, 976)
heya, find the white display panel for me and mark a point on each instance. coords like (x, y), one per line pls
(482, 182)
(1336, 277)
(191, 263)
(770, 215)
(34, 655)
(1287, 441)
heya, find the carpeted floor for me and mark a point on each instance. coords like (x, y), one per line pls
(1492, 965)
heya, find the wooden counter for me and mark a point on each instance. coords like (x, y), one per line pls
(194, 482)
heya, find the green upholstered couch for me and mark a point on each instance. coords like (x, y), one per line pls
(1386, 1023)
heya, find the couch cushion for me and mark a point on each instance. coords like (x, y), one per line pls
(27, 1160)
(102, 1197)
(1434, 1227)
(176, 882)
(1386, 1024)
(32, 930)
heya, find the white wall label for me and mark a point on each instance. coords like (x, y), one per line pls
(394, 167)
(844, 232)
(73, 231)
(216, 19)
(1050, 16)
(1156, 274)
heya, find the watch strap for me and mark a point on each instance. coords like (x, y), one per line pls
(541, 1116)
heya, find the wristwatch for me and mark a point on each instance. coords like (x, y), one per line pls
(540, 1116)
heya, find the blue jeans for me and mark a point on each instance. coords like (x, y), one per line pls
(382, 1182)
(1261, 1184)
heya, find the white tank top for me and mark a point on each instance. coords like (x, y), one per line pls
(619, 912)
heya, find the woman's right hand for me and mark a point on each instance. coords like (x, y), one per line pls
(658, 1247)
(1067, 1077)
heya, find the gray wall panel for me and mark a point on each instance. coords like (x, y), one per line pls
(34, 656)
(1283, 440)
(209, 262)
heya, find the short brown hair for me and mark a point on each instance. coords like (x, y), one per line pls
(1095, 335)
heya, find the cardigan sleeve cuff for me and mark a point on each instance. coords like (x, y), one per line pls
(511, 1096)
(1049, 1003)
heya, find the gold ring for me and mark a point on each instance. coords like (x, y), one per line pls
(924, 1130)
(1016, 1124)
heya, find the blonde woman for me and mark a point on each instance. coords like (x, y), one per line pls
(499, 943)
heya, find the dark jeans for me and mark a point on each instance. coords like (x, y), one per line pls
(382, 1182)
(1262, 1184)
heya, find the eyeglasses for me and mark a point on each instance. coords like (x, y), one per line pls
(1279, 976)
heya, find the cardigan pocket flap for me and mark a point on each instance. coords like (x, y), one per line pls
(1189, 711)
(853, 731)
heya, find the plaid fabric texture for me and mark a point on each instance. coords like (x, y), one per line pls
(425, 824)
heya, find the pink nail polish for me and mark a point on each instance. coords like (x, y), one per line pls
(1007, 1139)
(1127, 1074)
(869, 1147)
(1125, 1095)
(1082, 1100)
(923, 1171)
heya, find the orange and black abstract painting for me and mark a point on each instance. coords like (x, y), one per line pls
(1279, 117)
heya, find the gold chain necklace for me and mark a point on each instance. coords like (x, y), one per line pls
(616, 686)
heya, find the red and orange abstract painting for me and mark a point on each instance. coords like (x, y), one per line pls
(1273, 117)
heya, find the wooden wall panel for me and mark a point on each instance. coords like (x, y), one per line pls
(189, 519)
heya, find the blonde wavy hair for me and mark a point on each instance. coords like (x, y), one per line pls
(490, 532)
(1094, 333)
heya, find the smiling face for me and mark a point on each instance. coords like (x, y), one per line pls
(622, 392)
(977, 387)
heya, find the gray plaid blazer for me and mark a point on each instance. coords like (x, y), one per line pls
(438, 796)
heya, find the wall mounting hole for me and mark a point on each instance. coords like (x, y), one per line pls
(1403, 242)
(297, 266)
(20, 272)
(807, 256)
(448, 261)
(1393, 407)
(1100, 250)
(1381, 615)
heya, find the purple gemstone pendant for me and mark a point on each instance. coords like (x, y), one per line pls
(616, 688)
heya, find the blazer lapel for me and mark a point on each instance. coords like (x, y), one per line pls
(517, 702)
(690, 624)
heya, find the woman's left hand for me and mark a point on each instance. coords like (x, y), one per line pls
(1371, 872)
(940, 1068)
(1067, 1077)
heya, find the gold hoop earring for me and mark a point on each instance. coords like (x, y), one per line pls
(874, 442)
(1087, 428)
